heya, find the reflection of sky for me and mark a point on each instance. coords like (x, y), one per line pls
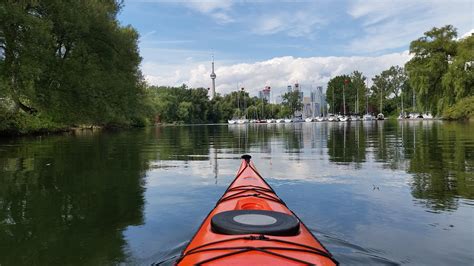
(365, 213)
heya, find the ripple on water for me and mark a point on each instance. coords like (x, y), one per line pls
(163, 257)
(348, 253)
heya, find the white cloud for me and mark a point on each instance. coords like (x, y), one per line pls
(393, 24)
(277, 72)
(297, 23)
(467, 34)
(217, 9)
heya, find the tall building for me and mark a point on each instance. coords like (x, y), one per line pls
(289, 88)
(301, 94)
(322, 104)
(213, 77)
(265, 94)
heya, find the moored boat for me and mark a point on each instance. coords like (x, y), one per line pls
(321, 119)
(251, 225)
(368, 117)
(332, 118)
(344, 118)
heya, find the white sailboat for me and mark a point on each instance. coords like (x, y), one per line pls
(344, 117)
(380, 116)
(332, 118)
(368, 117)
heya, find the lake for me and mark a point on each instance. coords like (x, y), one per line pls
(380, 193)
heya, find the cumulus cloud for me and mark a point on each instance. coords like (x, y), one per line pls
(276, 72)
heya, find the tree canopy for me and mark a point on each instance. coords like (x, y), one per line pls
(71, 61)
(432, 54)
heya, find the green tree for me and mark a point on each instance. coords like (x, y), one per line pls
(292, 102)
(334, 94)
(356, 92)
(458, 82)
(24, 41)
(426, 69)
(387, 89)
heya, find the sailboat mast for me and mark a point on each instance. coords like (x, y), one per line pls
(381, 92)
(357, 101)
(367, 95)
(402, 101)
(344, 98)
(414, 101)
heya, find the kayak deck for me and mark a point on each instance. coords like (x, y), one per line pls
(253, 198)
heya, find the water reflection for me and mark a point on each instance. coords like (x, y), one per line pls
(68, 200)
(138, 196)
(440, 156)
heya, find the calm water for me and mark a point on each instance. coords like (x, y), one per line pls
(373, 193)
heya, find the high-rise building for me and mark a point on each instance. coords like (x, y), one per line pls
(314, 96)
(301, 94)
(265, 94)
(289, 88)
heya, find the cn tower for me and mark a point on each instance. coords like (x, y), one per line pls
(213, 77)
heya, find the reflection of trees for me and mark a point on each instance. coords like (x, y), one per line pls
(435, 153)
(346, 143)
(66, 200)
(184, 142)
(241, 138)
(388, 140)
(442, 164)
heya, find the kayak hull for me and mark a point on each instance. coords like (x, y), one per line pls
(249, 191)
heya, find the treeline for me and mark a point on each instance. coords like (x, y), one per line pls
(438, 79)
(66, 63)
(186, 105)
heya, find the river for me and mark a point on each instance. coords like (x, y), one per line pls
(381, 193)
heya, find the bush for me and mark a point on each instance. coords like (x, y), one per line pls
(464, 109)
(21, 123)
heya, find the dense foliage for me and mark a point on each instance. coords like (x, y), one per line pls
(68, 62)
(352, 87)
(186, 105)
(441, 70)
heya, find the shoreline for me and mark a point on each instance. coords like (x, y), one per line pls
(6, 134)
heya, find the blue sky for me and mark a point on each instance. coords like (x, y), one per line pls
(258, 43)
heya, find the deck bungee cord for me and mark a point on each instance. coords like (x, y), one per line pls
(251, 225)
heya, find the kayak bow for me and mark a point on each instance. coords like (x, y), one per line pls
(251, 225)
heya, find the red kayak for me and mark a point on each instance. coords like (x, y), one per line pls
(251, 225)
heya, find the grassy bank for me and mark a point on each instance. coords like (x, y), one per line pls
(22, 124)
(462, 110)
